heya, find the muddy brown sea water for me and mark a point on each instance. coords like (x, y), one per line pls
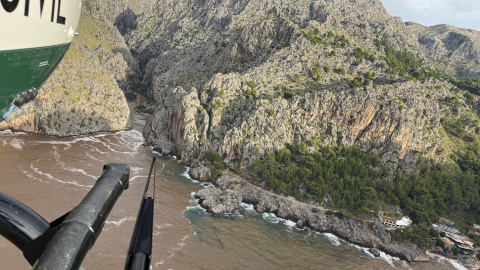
(52, 175)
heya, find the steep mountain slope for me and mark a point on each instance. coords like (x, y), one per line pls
(454, 50)
(238, 80)
(84, 95)
(246, 77)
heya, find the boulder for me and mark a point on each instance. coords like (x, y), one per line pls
(200, 173)
(218, 201)
(375, 252)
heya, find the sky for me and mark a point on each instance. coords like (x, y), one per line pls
(460, 13)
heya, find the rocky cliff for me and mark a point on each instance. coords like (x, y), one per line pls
(84, 94)
(246, 77)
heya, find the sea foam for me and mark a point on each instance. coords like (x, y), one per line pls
(454, 263)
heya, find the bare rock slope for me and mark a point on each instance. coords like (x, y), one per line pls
(246, 77)
(84, 95)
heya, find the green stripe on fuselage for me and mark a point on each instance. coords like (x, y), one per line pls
(24, 69)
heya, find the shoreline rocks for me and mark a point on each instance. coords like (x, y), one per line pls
(231, 191)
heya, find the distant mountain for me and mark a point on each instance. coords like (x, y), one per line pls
(246, 77)
(455, 51)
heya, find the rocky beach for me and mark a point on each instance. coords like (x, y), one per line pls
(230, 191)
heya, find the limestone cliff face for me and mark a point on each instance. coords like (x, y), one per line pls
(84, 95)
(246, 77)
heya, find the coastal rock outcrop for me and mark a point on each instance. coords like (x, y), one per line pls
(231, 191)
(200, 172)
(219, 201)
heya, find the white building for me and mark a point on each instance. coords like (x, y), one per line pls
(394, 223)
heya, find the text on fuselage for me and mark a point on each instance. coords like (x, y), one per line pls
(13, 5)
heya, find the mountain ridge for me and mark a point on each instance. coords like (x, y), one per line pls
(244, 79)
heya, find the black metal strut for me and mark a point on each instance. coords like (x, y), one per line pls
(63, 243)
(140, 250)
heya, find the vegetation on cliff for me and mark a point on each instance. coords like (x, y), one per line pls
(348, 175)
(355, 182)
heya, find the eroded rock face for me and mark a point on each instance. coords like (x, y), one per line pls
(393, 120)
(200, 172)
(204, 59)
(84, 94)
(178, 125)
(219, 201)
(248, 87)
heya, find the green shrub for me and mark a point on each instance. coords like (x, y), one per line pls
(251, 84)
(296, 77)
(140, 88)
(250, 92)
(340, 70)
(400, 62)
(356, 81)
(217, 104)
(286, 95)
(271, 112)
(219, 165)
(433, 233)
(370, 75)
(439, 243)
(469, 97)
(131, 96)
(221, 93)
(212, 156)
(471, 85)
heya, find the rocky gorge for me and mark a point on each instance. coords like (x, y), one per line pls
(244, 78)
(246, 87)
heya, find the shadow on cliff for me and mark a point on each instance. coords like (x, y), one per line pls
(126, 21)
(229, 50)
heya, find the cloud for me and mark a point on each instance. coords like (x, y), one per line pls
(460, 13)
